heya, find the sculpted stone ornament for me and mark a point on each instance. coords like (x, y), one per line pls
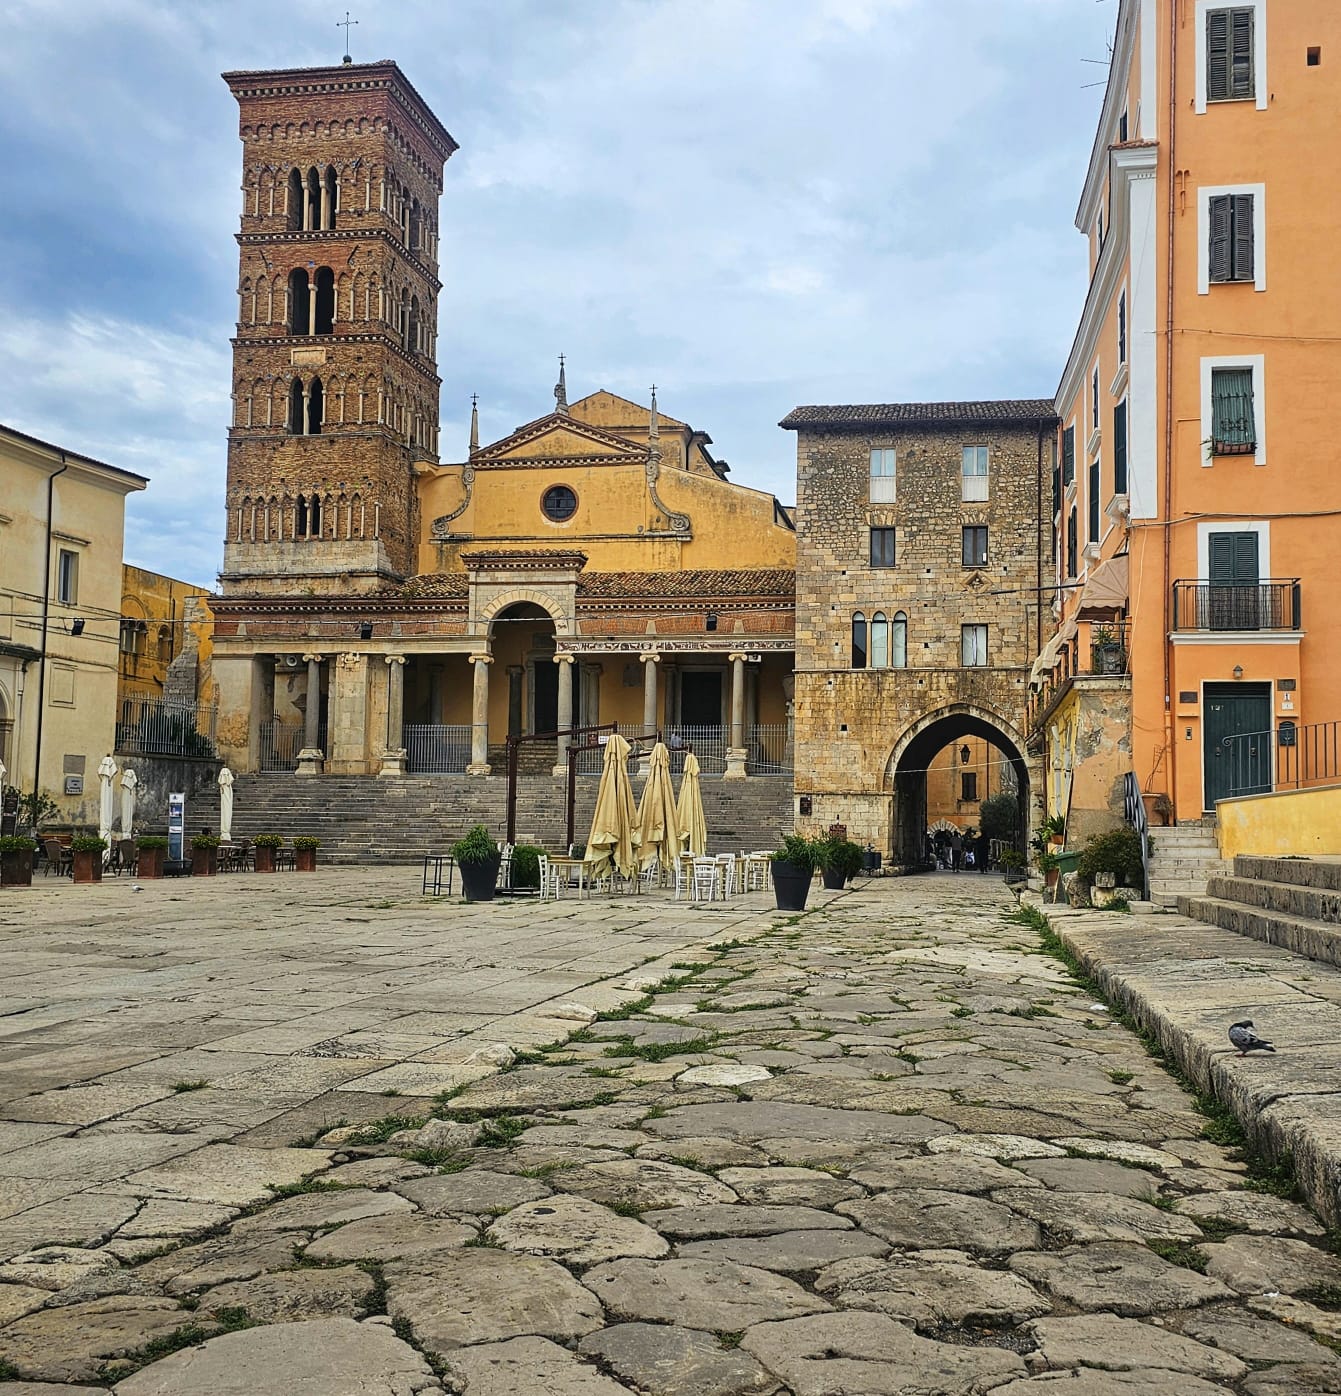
(679, 523)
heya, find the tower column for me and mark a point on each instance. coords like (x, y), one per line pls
(312, 307)
(325, 205)
(479, 717)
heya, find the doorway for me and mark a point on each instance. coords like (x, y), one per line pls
(1236, 741)
(701, 698)
(546, 696)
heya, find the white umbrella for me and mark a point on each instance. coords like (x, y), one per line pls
(106, 796)
(225, 804)
(129, 784)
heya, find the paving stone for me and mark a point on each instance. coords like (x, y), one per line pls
(705, 1294)
(931, 1219)
(397, 1237)
(1080, 1217)
(376, 1172)
(1301, 1380)
(752, 1120)
(788, 1252)
(217, 1262)
(706, 1151)
(1254, 1339)
(471, 1193)
(481, 1295)
(1090, 1175)
(677, 1361)
(1094, 1383)
(86, 1219)
(162, 1217)
(72, 1344)
(1119, 1277)
(584, 1136)
(724, 1074)
(526, 1365)
(531, 1087)
(317, 1211)
(1262, 1264)
(806, 1187)
(575, 1230)
(929, 1293)
(334, 1292)
(1322, 1323)
(1121, 1151)
(1121, 1344)
(42, 1388)
(872, 1355)
(1252, 1211)
(643, 1184)
(949, 1172)
(997, 1146)
(19, 1299)
(228, 1174)
(695, 1223)
(326, 1357)
(446, 1134)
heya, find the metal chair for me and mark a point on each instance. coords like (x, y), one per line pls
(58, 857)
(127, 857)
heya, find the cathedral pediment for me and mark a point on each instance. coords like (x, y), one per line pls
(558, 439)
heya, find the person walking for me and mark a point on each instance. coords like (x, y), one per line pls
(956, 850)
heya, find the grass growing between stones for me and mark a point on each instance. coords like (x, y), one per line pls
(379, 1131)
(189, 1335)
(8, 1371)
(301, 1189)
(659, 1051)
(181, 1087)
(1179, 1253)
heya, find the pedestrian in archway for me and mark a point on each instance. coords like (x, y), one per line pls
(956, 850)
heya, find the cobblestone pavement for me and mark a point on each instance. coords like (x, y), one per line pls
(886, 1148)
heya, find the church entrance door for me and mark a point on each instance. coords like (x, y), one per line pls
(701, 698)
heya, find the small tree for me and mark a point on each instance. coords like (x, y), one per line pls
(998, 818)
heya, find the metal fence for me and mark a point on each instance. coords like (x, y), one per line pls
(435, 749)
(157, 727)
(282, 741)
(1293, 757)
(1133, 807)
(770, 749)
(1272, 604)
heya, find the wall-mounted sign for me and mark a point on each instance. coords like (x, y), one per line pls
(74, 785)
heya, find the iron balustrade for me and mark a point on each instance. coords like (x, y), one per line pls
(280, 743)
(770, 749)
(1271, 604)
(160, 727)
(436, 748)
(1292, 757)
(1133, 807)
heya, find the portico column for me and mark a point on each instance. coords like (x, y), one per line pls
(735, 753)
(310, 757)
(479, 717)
(650, 724)
(565, 718)
(393, 758)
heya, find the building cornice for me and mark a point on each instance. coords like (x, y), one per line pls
(299, 236)
(1119, 78)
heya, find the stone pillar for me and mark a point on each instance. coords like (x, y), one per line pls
(325, 205)
(650, 723)
(312, 305)
(479, 717)
(393, 758)
(735, 753)
(565, 719)
(347, 721)
(310, 757)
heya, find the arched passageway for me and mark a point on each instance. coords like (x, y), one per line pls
(915, 757)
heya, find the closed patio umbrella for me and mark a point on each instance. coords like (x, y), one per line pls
(130, 783)
(614, 825)
(226, 805)
(658, 822)
(106, 797)
(689, 810)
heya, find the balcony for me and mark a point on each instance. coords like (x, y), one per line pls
(1272, 604)
(1081, 651)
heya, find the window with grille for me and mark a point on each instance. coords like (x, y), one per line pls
(973, 646)
(1233, 418)
(1232, 254)
(1230, 37)
(974, 474)
(882, 547)
(1120, 448)
(974, 547)
(882, 475)
(968, 786)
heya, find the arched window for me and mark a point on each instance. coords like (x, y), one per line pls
(165, 644)
(859, 641)
(325, 291)
(298, 301)
(898, 641)
(332, 192)
(312, 211)
(879, 641)
(416, 226)
(412, 327)
(315, 407)
(296, 424)
(294, 205)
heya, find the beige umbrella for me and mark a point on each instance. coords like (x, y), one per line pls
(658, 822)
(689, 811)
(614, 825)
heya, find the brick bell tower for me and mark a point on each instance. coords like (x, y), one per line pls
(335, 384)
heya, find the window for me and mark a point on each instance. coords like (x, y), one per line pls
(1068, 456)
(1122, 328)
(1231, 252)
(882, 475)
(882, 547)
(1233, 424)
(67, 577)
(879, 641)
(1120, 448)
(1122, 129)
(975, 547)
(1094, 501)
(973, 646)
(132, 635)
(859, 641)
(1072, 548)
(968, 786)
(1230, 40)
(298, 301)
(1094, 400)
(974, 474)
(558, 503)
(898, 641)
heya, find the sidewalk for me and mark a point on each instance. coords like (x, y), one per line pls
(1186, 982)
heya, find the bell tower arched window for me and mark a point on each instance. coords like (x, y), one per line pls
(325, 307)
(297, 426)
(294, 203)
(330, 197)
(859, 640)
(299, 311)
(315, 407)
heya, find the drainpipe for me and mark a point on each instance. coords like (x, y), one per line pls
(46, 611)
(1038, 549)
(1169, 746)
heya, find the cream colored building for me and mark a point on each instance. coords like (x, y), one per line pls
(62, 525)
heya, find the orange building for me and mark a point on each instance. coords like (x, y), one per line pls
(1197, 494)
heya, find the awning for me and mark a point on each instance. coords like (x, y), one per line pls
(1047, 659)
(1106, 589)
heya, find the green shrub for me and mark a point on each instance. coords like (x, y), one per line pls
(525, 866)
(801, 853)
(478, 846)
(306, 841)
(1119, 852)
(267, 840)
(205, 840)
(17, 843)
(87, 843)
(34, 808)
(839, 856)
(998, 818)
(152, 841)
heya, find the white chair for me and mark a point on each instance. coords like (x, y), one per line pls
(705, 879)
(552, 879)
(756, 871)
(650, 876)
(505, 866)
(726, 866)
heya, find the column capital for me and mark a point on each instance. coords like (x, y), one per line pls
(738, 658)
(651, 658)
(565, 659)
(352, 660)
(481, 659)
(393, 659)
(313, 658)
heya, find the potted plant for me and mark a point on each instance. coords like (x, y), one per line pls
(305, 853)
(839, 859)
(793, 867)
(204, 855)
(153, 850)
(478, 857)
(1116, 852)
(16, 860)
(1158, 808)
(1106, 650)
(1013, 861)
(525, 868)
(264, 846)
(86, 852)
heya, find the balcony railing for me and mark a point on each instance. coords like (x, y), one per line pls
(1290, 758)
(436, 748)
(1272, 604)
(1098, 649)
(280, 743)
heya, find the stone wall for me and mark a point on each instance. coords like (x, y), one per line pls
(160, 776)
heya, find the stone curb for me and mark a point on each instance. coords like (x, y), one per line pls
(1185, 982)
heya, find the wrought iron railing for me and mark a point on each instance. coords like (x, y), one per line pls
(1271, 604)
(158, 727)
(770, 749)
(1133, 807)
(435, 749)
(1292, 757)
(280, 743)
(1097, 648)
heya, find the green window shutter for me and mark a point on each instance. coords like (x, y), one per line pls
(1233, 422)
(1094, 502)
(1120, 448)
(1233, 559)
(1217, 56)
(1221, 217)
(1243, 237)
(1068, 455)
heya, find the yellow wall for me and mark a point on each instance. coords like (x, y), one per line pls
(944, 782)
(160, 603)
(1290, 823)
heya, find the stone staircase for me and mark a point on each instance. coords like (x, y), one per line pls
(367, 819)
(1185, 858)
(1294, 903)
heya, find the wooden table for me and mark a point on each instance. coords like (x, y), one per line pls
(567, 865)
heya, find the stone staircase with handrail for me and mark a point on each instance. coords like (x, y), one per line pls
(1185, 858)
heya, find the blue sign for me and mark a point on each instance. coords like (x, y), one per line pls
(176, 825)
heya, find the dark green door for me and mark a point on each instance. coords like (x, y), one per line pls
(1234, 598)
(1238, 740)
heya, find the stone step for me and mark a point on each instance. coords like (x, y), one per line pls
(1322, 873)
(1287, 897)
(1302, 935)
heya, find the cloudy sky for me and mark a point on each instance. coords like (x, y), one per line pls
(751, 203)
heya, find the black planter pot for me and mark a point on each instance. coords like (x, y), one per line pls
(478, 880)
(833, 879)
(791, 885)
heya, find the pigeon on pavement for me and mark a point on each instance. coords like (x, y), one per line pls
(1246, 1040)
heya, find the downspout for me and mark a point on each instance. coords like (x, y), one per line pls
(1169, 747)
(46, 612)
(1038, 550)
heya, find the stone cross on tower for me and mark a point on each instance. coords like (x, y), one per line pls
(346, 24)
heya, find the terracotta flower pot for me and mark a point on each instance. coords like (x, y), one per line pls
(87, 866)
(264, 857)
(305, 859)
(204, 862)
(150, 865)
(16, 869)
